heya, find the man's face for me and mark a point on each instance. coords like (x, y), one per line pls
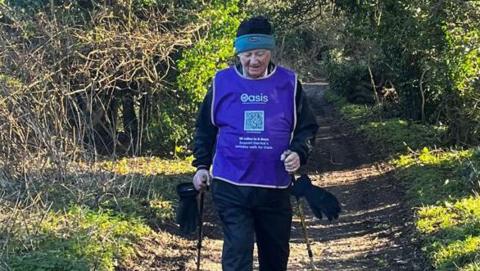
(255, 62)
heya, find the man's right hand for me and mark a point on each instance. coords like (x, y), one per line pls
(201, 180)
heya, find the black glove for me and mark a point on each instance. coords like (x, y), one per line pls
(320, 200)
(187, 211)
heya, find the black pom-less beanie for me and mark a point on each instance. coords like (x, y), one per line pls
(254, 33)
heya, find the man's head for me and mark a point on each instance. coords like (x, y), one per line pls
(254, 45)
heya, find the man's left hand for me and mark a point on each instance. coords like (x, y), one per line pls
(291, 160)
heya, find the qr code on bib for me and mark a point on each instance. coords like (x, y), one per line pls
(254, 121)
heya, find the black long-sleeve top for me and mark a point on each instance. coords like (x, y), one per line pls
(206, 132)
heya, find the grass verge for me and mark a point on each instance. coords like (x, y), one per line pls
(103, 216)
(443, 183)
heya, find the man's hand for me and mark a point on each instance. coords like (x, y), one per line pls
(201, 179)
(291, 160)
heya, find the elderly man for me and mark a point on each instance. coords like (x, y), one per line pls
(254, 129)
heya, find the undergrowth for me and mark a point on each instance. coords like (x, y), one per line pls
(78, 239)
(98, 217)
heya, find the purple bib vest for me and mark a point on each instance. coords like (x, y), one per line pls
(255, 120)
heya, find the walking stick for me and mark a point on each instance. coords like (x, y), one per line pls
(305, 234)
(302, 220)
(200, 229)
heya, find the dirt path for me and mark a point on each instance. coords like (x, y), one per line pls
(374, 231)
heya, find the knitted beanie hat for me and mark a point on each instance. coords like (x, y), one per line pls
(254, 33)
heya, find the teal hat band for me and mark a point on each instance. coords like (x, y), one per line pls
(254, 41)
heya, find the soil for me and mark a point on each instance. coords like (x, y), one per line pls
(374, 231)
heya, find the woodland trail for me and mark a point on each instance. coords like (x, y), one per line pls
(374, 231)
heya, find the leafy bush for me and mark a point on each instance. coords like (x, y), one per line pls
(344, 77)
(173, 126)
(428, 51)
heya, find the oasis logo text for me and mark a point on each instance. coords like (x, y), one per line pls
(260, 98)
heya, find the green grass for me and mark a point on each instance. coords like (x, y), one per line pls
(78, 239)
(452, 234)
(436, 176)
(98, 218)
(442, 183)
(392, 136)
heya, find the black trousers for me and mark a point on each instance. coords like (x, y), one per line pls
(249, 213)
